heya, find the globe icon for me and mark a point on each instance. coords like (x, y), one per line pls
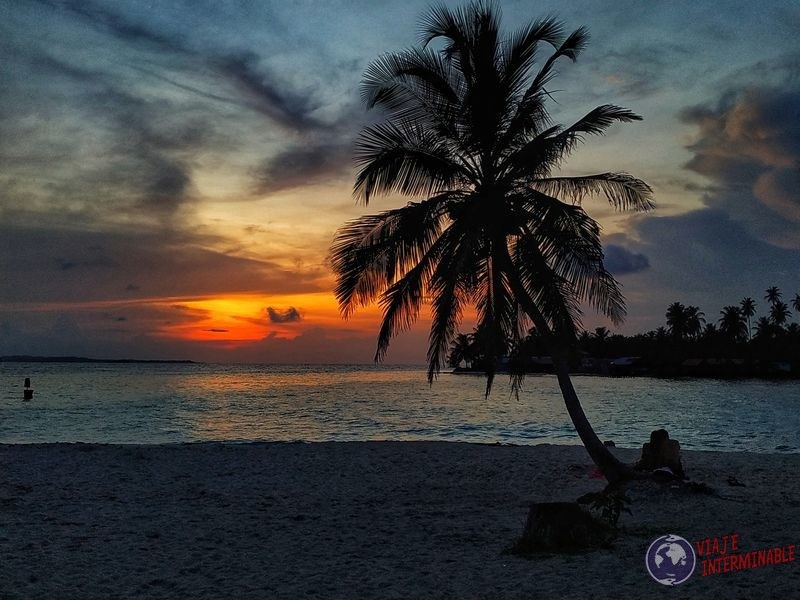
(670, 559)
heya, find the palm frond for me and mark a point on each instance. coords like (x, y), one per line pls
(449, 287)
(571, 47)
(596, 121)
(369, 253)
(402, 300)
(624, 192)
(536, 158)
(405, 159)
(569, 241)
(551, 295)
(519, 53)
(530, 111)
(497, 311)
(418, 86)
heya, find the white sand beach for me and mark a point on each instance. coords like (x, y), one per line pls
(361, 520)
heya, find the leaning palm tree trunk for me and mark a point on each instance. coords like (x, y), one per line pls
(610, 465)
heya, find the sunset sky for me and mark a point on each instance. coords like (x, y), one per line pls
(172, 173)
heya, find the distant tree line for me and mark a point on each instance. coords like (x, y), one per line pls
(736, 342)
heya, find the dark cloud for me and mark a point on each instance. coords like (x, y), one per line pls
(304, 165)
(93, 258)
(54, 265)
(121, 153)
(259, 88)
(267, 94)
(704, 257)
(639, 69)
(289, 315)
(748, 144)
(620, 261)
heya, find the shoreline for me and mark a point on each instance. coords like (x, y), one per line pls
(621, 450)
(359, 519)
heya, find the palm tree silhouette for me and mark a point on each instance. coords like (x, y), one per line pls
(764, 328)
(695, 318)
(773, 295)
(677, 320)
(462, 349)
(779, 314)
(748, 310)
(796, 303)
(466, 126)
(732, 324)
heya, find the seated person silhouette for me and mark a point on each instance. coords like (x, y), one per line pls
(661, 452)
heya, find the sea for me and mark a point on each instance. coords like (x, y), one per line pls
(176, 403)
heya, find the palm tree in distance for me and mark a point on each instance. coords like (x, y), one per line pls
(779, 314)
(466, 127)
(796, 303)
(773, 295)
(695, 318)
(748, 310)
(732, 324)
(764, 329)
(462, 349)
(677, 320)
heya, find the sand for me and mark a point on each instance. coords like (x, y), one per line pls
(360, 520)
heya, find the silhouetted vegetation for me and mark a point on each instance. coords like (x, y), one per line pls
(689, 343)
(464, 130)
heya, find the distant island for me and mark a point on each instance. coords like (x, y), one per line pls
(83, 359)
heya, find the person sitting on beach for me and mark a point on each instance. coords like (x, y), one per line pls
(661, 452)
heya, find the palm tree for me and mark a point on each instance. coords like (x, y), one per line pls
(695, 318)
(748, 310)
(709, 332)
(796, 303)
(764, 328)
(466, 127)
(677, 320)
(462, 349)
(731, 323)
(779, 314)
(773, 295)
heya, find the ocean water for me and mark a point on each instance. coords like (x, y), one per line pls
(163, 403)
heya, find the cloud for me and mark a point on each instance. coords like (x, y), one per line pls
(60, 265)
(640, 69)
(748, 145)
(266, 93)
(116, 24)
(258, 87)
(704, 257)
(620, 261)
(303, 165)
(290, 315)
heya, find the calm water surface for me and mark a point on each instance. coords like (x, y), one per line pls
(153, 403)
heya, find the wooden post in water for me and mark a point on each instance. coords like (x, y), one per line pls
(28, 392)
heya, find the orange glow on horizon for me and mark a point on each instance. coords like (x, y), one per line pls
(238, 320)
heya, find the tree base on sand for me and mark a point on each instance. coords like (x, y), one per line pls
(562, 527)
